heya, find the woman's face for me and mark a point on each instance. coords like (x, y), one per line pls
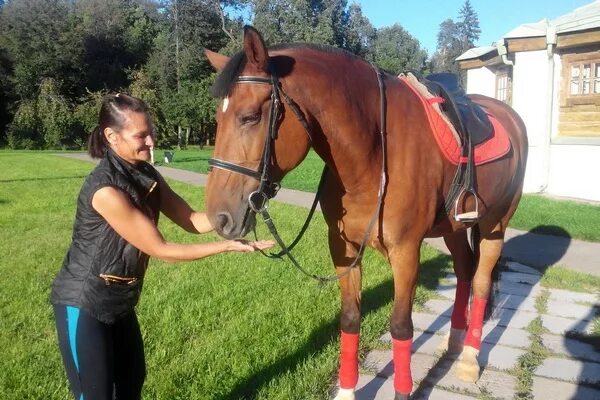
(134, 142)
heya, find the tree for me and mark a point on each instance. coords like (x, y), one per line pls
(360, 33)
(313, 21)
(37, 36)
(5, 93)
(468, 26)
(396, 51)
(454, 38)
(55, 116)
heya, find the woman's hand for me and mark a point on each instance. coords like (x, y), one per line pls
(249, 246)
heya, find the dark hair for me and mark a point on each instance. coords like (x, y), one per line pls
(111, 116)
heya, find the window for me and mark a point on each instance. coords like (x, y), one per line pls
(503, 85)
(584, 79)
(579, 109)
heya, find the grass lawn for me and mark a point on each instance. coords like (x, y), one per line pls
(536, 213)
(232, 326)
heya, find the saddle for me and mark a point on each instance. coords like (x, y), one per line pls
(472, 126)
(468, 118)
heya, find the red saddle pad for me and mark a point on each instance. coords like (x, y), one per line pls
(492, 149)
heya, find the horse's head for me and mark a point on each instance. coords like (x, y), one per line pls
(257, 141)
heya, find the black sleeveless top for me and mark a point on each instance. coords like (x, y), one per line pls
(103, 273)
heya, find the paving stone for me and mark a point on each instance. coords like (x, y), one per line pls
(519, 277)
(430, 322)
(520, 289)
(518, 267)
(426, 343)
(511, 318)
(570, 347)
(443, 375)
(569, 310)
(506, 336)
(420, 366)
(515, 302)
(498, 356)
(569, 370)
(440, 307)
(560, 325)
(434, 393)
(573, 297)
(446, 291)
(551, 389)
(371, 387)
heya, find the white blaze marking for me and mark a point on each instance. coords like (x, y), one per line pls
(225, 103)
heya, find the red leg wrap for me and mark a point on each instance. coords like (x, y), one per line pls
(461, 305)
(349, 360)
(402, 377)
(474, 331)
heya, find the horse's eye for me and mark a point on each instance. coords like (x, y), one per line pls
(250, 118)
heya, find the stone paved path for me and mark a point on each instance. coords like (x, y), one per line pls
(571, 370)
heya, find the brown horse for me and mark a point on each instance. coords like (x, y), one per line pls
(278, 102)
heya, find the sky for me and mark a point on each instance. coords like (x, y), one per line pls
(422, 18)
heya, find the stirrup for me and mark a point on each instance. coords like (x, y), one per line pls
(469, 216)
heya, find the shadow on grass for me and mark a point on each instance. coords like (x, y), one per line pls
(372, 300)
(52, 178)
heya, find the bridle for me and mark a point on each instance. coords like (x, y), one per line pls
(267, 189)
(258, 200)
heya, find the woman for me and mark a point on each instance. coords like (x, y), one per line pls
(115, 232)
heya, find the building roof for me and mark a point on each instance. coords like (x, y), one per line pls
(582, 18)
(476, 52)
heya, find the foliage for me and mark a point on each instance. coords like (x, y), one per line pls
(454, 38)
(59, 57)
(396, 51)
(54, 113)
(23, 132)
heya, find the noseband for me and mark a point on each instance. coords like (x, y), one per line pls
(258, 200)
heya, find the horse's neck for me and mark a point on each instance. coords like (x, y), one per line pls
(347, 122)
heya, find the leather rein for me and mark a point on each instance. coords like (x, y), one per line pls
(267, 189)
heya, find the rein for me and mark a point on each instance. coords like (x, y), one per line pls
(258, 200)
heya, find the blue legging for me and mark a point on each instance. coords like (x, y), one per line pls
(102, 361)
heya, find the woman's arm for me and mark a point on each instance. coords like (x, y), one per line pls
(180, 212)
(136, 228)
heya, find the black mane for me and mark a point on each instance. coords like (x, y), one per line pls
(279, 65)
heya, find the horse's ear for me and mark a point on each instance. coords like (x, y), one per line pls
(255, 49)
(218, 61)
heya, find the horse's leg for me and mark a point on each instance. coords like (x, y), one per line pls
(404, 259)
(464, 264)
(490, 247)
(343, 254)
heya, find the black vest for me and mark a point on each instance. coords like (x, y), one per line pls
(102, 273)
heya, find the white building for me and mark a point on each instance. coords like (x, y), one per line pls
(549, 72)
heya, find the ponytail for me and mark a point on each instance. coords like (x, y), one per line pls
(97, 144)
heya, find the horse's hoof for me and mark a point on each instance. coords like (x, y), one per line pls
(345, 394)
(467, 367)
(400, 396)
(452, 342)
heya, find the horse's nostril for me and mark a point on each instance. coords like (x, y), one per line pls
(224, 222)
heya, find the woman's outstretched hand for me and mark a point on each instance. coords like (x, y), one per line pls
(248, 246)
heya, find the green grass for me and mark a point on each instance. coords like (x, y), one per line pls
(536, 213)
(561, 278)
(566, 218)
(228, 327)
